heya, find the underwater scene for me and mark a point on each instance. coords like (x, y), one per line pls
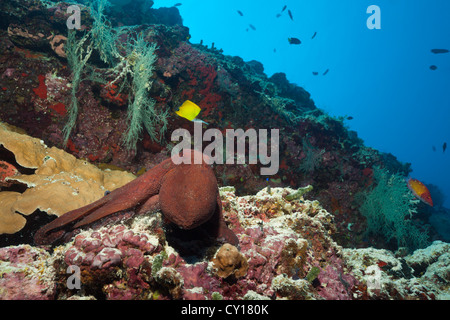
(224, 150)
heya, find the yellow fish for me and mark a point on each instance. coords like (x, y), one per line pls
(190, 111)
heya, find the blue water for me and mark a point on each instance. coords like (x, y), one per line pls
(380, 77)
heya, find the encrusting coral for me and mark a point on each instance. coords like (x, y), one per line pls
(10, 222)
(60, 182)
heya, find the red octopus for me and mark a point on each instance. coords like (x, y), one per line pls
(186, 194)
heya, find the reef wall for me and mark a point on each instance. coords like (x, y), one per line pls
(36, 95)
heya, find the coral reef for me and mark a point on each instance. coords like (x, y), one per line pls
(299, 234)
(423, 275)
(287, 245)
(86, 111)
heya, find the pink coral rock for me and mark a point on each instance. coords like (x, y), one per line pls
(287, 244)
(25, 274)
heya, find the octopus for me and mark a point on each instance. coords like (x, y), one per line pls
(186, 194)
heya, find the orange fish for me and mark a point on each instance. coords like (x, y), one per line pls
(420, 191)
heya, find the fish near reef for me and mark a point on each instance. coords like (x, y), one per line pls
(294, 41)
(189, 111)
(420, 191)
(326, 71)
(444, 147)
(240, 13)
(186, 194)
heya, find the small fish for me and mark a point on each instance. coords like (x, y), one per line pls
(434, 148)
(284, 8)
(190, 111)
(177, 4)
(278, 15)
(290, 15)
(294, 41)
(252, 27)
(240, 13)
(420, 191)
(326, 71)
(314, 35)
(444, 146)
(436, 51)
(433, 67)
(315, 73)
(349, 118)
